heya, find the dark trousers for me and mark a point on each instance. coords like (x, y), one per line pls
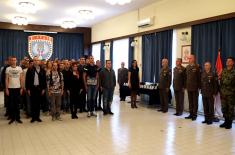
(193, 102)
(208, 106)
(107, 99)
(82, 101)
(98, 97)
(65, 103)
(91, 94)
(36, 99)
(14, 103)
(179, 99)
(74, 102)
(122, 93)
(163, 93)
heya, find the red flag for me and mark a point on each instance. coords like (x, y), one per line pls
(219, 66)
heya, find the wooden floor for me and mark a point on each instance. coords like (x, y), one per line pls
(142, 131)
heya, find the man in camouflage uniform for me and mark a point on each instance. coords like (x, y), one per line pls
(164, 85)
(227, 88)
(209, 88)
(179, 85)
(193, 79)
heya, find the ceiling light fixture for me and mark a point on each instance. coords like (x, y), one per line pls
(120, 2)
(68, 24)
(26, 7)
(19, 20)
(86, 14)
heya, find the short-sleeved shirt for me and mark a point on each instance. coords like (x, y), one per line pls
(14, 76)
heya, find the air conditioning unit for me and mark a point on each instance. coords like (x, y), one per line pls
(146, 22)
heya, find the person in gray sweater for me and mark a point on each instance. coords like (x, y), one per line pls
(107, 84)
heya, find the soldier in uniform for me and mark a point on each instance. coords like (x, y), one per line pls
(179, 86)
(227, 91)
(164, 85)
(193, 79)
(209, 88)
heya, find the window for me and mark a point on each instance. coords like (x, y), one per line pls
(96, 51)
(120, 53)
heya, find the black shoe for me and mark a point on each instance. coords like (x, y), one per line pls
(164, 111)
(159, 110)
(38, 120)
(175, 114)
(105, 113)
(204, 122)
(194, 118)
(209, 122)
(11, 121)
(19, 121)
(229, 124)
(224, 124)
(111, 113)
(32, 120)
(75, 116)
(189, 117)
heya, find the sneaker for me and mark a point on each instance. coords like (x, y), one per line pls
(93, 114)
(89, 114)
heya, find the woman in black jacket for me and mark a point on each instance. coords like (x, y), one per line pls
(75, 88)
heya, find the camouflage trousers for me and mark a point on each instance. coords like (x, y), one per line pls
(228, 104)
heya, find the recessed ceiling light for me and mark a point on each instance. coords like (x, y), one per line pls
(68, 24)
(120, 2)
(86, 14)
(26, 7)
(20, 20)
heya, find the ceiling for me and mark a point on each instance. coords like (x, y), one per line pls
(53, 12)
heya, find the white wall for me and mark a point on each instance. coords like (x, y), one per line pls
(166, 12)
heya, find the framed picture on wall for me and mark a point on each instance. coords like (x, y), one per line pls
(185, 52)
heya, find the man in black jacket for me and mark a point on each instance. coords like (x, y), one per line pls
(35, 86)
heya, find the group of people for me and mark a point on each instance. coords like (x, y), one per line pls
(72, 85)
(196, 80)
(57, 86)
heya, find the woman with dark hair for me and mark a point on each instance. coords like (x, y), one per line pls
(75, 87)
(133, 82)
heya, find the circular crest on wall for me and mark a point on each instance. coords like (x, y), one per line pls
(41, 46)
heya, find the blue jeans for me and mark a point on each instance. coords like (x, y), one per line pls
(107, 99)
(91, 96)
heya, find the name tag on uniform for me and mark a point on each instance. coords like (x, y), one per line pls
(91, 81)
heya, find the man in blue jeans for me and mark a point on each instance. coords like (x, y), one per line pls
(107, 84)
(90, 77)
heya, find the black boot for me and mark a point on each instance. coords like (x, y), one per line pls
(224, 124)
(229, 124)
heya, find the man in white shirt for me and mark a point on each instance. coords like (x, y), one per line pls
(14, 88)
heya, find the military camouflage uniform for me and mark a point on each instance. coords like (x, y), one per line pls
(179, 85)
(227, 88)
(193, 80)
(164, 87)
(209, 87)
